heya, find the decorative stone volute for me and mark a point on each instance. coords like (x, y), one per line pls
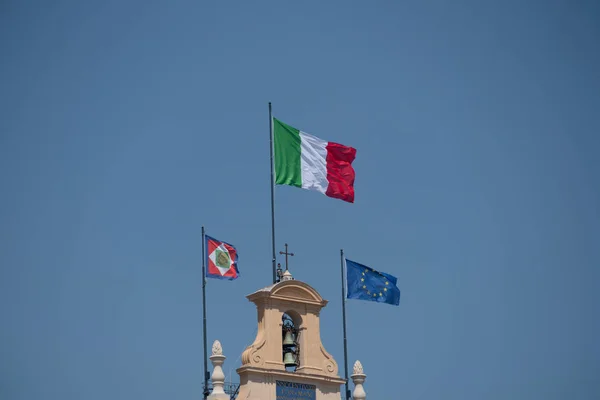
(358, 378)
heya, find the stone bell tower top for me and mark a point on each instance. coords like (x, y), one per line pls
(263, 371)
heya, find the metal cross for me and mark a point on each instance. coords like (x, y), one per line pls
(286, 255)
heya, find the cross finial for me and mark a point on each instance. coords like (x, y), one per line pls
(286, 255)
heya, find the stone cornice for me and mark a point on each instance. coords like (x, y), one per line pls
(297, 376)
(289, 291)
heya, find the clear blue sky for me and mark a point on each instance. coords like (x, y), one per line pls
(127, 125)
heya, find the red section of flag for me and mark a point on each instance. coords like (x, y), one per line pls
(340, 173)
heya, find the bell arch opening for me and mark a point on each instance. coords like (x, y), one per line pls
(290, 331)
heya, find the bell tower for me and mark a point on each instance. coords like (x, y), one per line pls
(287, 360)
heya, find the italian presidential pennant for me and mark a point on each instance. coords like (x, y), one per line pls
(221, 259)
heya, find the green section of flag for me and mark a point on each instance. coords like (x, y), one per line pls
(287, 154)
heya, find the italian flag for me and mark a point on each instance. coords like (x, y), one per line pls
(305, 161)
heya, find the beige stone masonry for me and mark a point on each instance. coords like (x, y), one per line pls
(262, 362)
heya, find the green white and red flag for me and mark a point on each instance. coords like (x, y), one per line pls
(307, 162)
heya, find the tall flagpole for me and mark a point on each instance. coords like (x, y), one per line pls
(347, 395)
(205, 392)
(272, 194)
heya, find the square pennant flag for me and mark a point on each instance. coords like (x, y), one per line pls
(221, 259)
(365, 283)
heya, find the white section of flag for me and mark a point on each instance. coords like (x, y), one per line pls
(313, 162)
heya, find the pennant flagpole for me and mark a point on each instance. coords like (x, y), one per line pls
(347, 394)
(272, 195)
(206, 375)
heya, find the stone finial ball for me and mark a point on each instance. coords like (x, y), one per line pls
(217, 350)
(358, 368)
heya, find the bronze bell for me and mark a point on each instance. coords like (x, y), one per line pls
(288, 340)
(289, 359)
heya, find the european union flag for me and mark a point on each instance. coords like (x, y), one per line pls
(364, 283)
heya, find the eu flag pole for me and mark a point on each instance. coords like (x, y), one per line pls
(347, 395)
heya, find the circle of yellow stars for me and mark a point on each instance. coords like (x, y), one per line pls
(368, 291)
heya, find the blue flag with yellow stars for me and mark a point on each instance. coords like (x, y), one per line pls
(364, 283)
